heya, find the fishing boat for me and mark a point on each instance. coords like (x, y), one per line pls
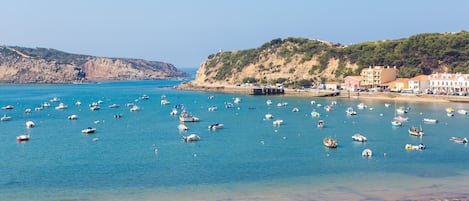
(459, 140)
(414, 147)
(330, 142)
(277, 122)
(315, 114)
(401, 118)
(362, 106)
(5, 118)
(182, 127)
(429, 120)
(269, 116)
(416, 131)
(367, 153)
(358, 137)
(396, 123)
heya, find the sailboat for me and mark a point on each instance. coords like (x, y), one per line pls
(395, 122)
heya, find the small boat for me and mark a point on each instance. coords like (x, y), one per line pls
(55, 99)
(330, 142)
(414, 147)
(401, 118)
(45, 104)
(459, 140)
(73, 117)
(367, 153)
(212, 108)
(27, 111)
(78, 103)
(135, 108)
(30, 124)
(358, 137)
(396, 123)
(268, 102)
(174, 112)
(191, 138)
(462, 111)
(8, 107)
(416, 131)
(22, 138)
(350, 111)
(450, 114)
(362, 106)
(315, 114)
(182, 127)
(449, 109)
(117, 116)
(321, 123)
(277, 122)
(114, 106)
(236, 100)
(387, 105)
(401, 110)
(5, 118)
(428, 120)
(216, 126)
(295, 109)
(229, 105)
(186, 117)
(328, 108)
(61, 106)
(165, 102)
(88, 130)
(93, 108)
(144, 97)
(269, 116)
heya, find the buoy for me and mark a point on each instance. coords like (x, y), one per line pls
(156, 151)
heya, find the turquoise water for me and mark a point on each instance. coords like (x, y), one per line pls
(249, 159)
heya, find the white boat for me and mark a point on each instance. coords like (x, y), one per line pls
(450, 114)
(212, 108)
(73, 117)
(362, 106)
(416, 131)
(8, 107)
(216, 126)
(191, 138)
(5, 118)
(401, 110)
(328, 108)
(144, 97)
(367, 153)
(93, 108)
(429, 120)
(22, 138)
(459, 140)
(165, 102)
(27, 110)
(61, 106)
(88, 130)
(30, 124)
(236, 100)
(387, 105)
(358, 137)
(449, 109)
(321, 123)
(174, 112)
(186, 117)
(45, 104)
(350, 111)
(269, 116)
(315, 114)
(114, 105)
(462, 111)
(78, 103)
(182, 127)
(396, 123)
(135, 108)
(295, 109)
(277, 122)
(268, 102)
(55, 99)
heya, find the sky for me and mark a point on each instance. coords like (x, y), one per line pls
(185, 32)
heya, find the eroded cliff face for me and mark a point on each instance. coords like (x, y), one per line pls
(19, 67)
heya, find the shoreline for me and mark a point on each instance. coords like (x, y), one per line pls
(384, 96)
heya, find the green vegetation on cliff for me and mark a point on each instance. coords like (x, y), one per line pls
(418, 54)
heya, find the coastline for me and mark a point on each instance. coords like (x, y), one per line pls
(324, 93)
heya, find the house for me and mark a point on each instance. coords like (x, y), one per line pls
(444, 83)
(351, 83)
(331, 85)
(419, 83)
(399, 84)
(376, 76)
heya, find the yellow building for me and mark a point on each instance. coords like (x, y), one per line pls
(375, 76)
(399, 84)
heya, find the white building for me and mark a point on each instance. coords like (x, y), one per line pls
(444, 83)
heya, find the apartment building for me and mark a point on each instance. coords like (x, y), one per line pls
(376, 76)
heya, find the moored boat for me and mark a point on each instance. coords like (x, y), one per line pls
(367, 153)
(5, 118)
(315, 114)
(330, 142)
(8, 107)
(358, 137)
(182, 127)
(459, 140)
(416, 131)
(88, 130)
(321, 123)
(191, 138)
(22, 138)
(396, 123)
(186, 117)
(216, 126)
(429, 120)
(414, 147)
(277, 122)
(350, 111)
(73, 117)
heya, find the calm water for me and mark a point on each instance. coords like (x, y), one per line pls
(249, 159)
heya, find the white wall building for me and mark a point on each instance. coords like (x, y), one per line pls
(449, 83)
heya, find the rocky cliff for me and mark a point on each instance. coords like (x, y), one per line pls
(41, 65)
(300, 61)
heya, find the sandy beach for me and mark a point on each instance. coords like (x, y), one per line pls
(385, 96)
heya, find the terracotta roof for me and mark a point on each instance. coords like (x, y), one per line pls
(420, 77)
(354, 77)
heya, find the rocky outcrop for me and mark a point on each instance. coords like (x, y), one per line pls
(40, 65)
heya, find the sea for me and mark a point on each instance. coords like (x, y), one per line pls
(141, 156)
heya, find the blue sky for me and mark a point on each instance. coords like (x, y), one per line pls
(185, 32)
